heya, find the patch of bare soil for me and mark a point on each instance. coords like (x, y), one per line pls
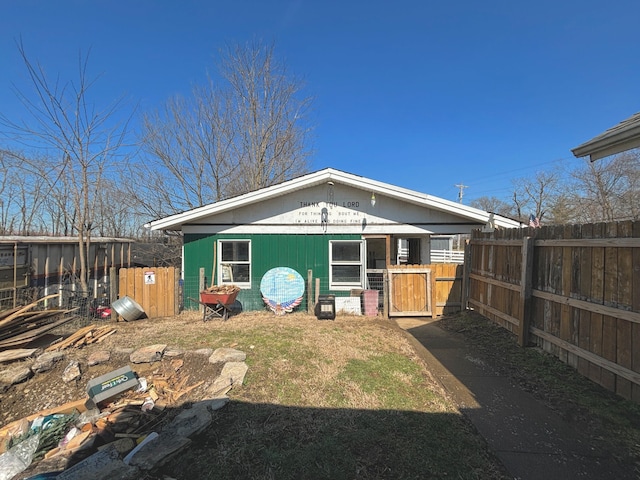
(47, 390)
(184, 333)
(181, 377)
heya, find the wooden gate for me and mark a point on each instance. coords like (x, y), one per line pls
(410, 292)
(155, 289)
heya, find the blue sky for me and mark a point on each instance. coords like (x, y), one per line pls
(416, 93)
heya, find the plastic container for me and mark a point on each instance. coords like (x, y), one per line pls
(370, 301)
(127, 308)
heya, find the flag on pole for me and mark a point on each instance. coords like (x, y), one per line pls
(533, 221)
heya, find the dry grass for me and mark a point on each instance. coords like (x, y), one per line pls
(322, 399)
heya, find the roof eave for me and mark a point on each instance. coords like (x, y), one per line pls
(619, 138)
(599, 148)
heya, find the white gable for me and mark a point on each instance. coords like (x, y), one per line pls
(330, 201)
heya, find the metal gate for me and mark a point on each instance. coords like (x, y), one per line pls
(410, 292)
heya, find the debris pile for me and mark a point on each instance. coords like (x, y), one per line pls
(126, 425)
(84, 336)
(21, 325)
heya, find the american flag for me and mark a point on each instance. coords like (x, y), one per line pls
(533, 221)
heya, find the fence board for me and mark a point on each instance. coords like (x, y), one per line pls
(584, 334)
(610, 298)
(624, 328)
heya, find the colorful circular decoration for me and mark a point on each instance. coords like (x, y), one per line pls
(282, 289)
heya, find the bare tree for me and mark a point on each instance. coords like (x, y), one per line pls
(244, 129)
(492, 204)
(8, 193)
(79, 143)
(270, 144)
(607, 190)
(22, 195)
(189, 154)
(536, 195)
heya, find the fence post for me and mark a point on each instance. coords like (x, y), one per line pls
(466, 269)
(113, 291)
(524, 314)
(309, 291)
(178, 299)
(201, 287)
(385, 293)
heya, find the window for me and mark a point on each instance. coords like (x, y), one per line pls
(346, 264)
(234, 265)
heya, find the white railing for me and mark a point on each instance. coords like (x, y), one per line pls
(403, 254)
(447, 256)
(437, 256)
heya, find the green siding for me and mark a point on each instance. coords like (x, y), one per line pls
(300, 252)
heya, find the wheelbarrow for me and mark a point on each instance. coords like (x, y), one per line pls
(217, 305)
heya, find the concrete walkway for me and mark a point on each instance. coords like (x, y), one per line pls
(532, 441)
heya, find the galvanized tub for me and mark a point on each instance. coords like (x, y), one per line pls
(127, 308)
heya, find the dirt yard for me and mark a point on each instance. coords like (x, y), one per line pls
(46, 390)
(308, 380)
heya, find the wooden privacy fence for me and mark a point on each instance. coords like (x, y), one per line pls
(425, 290)
(572, 290)
(155, 289)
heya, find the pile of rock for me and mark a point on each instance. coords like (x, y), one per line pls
(126, 435)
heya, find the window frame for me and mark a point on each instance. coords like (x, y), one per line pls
(220, 263)
(335, 285)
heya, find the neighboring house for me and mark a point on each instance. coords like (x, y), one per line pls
(620, 138)
(343, 227)
(441, 250)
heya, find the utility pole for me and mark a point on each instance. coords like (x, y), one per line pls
(461, 193)
(461, 186)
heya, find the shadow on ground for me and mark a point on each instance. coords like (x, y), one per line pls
(250, 440)
(531, 439)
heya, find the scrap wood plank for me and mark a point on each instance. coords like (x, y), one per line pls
(97, 335)
(23, 318)
(179, 385)
(26, 318)
(27, 337)
(25, 309)
(16, 354)
(71, 339)
(22, 326)
(91, 335)
(101, 335)
(65, 408)
(6, 313)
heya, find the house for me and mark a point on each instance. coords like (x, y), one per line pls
(619, 138)
(343, 228)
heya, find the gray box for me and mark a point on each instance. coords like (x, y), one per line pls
(111, 384)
